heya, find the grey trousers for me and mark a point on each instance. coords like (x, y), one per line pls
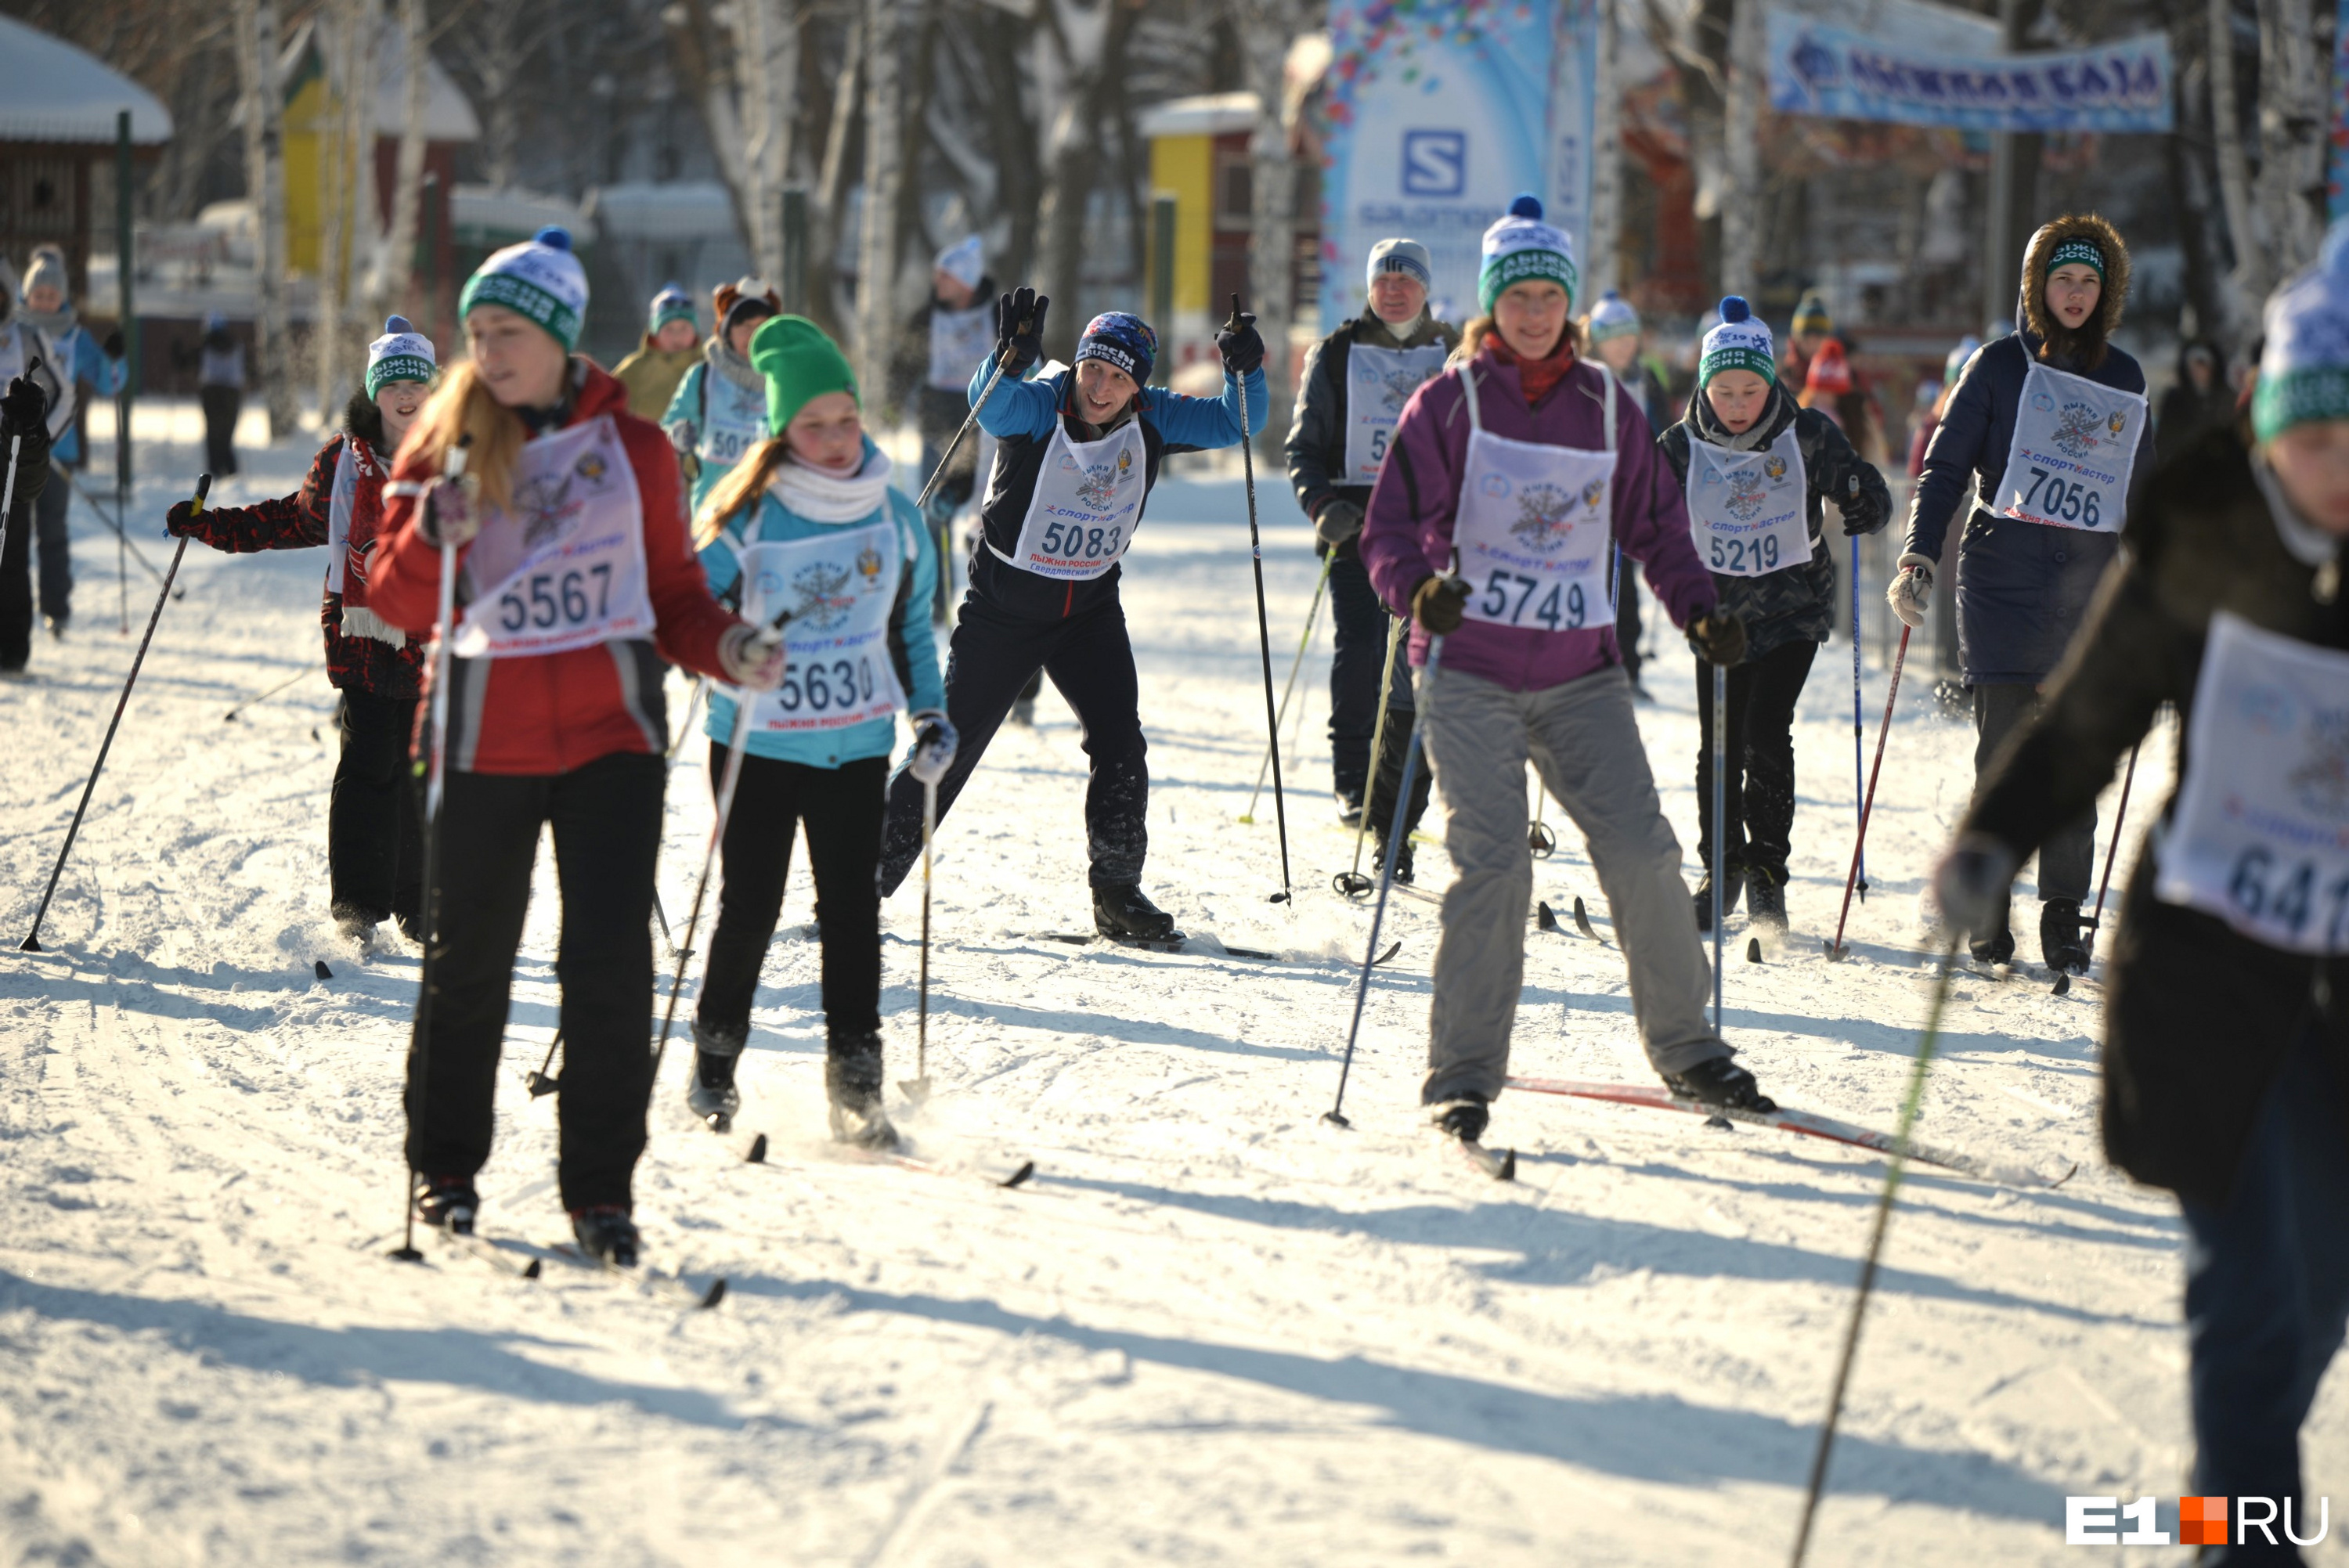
(1585, 742)
(2068, 858)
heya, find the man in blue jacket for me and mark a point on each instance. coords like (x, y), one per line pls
(2042, 443)
(1079, 452)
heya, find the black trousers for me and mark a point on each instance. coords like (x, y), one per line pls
(842, 807)
(1627, 616)
(1091, 661)
(1760, 787)
(221, 406)
(2068, 858)
(375, 846)
(607, 818)
(17, 573)
(56, 549)
(1360, 624)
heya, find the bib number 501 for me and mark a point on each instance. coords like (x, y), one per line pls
(546, 601)
(1561, 610)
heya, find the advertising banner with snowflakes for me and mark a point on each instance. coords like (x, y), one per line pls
(1817, 68)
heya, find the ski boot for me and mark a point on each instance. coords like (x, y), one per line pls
(356, 925)
(712, 1095)
(1126, 914)
(1720, 1081)
(608, 1234)
(447, 1202)
(1765, 901)
(1464, 1119)
(1729, 892)
(1350, 808)
(1996, 946)
(852, 1080)
(2063, 936)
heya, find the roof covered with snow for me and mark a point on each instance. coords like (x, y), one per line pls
(1209, 114)
(669, 210)
(58, 93)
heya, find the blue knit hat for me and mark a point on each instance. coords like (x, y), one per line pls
(1521, 246)
(1741, 342)
(1121, 339)
(401, 354)
(672, 303)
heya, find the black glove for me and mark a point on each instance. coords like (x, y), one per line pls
(113, 345)
(1019, 329)
(1337, 523)
(1439, 603)
(179, 521)
(1718, 636)
(1859, 511)
(23, 408)
(1238, 343)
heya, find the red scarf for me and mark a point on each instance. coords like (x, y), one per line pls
(1535, 376)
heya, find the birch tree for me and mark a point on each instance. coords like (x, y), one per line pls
(394, 267)
(1266, 29)
(742, 78)
(877, 250)
(265, 161)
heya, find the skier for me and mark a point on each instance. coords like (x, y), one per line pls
(810, 520)
(2198, 401)
(1829, 387)
(1613, 330)
(1079, 450)
(1921, 439)
(2225, 1051)
(24, 442)
(1520, 469)
(2046, 429)
(671, 346)
(374, 843)
(953, 327)
(71, 359)
(1756, 468)
(578, 581)
(719, 409)
(1812, 327)
(1355, 384)
(220, 392)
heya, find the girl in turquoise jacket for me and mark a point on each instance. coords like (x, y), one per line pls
(808, 522)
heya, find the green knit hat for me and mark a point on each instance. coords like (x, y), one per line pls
(2079, 250)
(801, 363)
(2305, 367)
(540, 279)
(1521, 246)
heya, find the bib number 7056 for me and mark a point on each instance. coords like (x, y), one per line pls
(1561, 610)
(545, 600)
(2074, 502)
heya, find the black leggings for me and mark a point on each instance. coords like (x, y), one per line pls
(1760, 792)
(374, 840)
(842, 807)
(607, 818)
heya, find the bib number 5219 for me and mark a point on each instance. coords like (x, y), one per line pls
(546, 600)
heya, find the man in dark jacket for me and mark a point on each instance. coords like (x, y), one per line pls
(2040, 445)
(2197, 403)
(1355, 384)
(24, 471)
(2227, 1024)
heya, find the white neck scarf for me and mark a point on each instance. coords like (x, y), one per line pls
(821, 497)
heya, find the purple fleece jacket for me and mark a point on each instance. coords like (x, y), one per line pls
(1408, 533)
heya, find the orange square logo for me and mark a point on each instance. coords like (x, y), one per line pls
(2202, 1521)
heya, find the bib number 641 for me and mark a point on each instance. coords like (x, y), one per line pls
(2286, 897)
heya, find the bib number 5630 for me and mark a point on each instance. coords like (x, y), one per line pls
(545, 600)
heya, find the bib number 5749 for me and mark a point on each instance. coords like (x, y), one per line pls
(1560, 609)
(545, 600)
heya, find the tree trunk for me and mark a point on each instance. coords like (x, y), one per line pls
(393, 272)
(876, 251)
(833, 181)
(1011, 134)
(2250, 276)
(2291, 135)
(265, 164)
(1740, 194)
(1266, 27)
(1601, 268)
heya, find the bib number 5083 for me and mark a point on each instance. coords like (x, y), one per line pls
(545, 600)
(1075, 540)
(2287, 897)
(1561, 610)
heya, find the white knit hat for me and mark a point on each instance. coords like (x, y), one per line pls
(2304, 366)
(401, 354)
(538, 278)
(1613, 317)
(1521, 246)
(964, 260)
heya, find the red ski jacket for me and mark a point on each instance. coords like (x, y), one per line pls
(552, 712)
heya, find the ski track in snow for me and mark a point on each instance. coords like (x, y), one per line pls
(1212, 1330)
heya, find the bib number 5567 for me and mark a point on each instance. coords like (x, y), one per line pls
(545, 600)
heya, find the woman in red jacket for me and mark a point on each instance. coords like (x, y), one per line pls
(577, 581)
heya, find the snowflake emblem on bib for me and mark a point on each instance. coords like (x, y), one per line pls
(823, 604)
(2321, 780)
(1745, 495)
(2075, 430)
(543, 503)
(1099, 486)
(1399, 386)
(1542, 517)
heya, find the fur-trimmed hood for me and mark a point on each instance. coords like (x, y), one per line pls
(2084, 348)
(363, 419)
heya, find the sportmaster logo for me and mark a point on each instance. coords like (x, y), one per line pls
(2201, 1521)
(2321, 780)
(823, 604)
(1099, 485)
(1545, 515)
(2076, 427)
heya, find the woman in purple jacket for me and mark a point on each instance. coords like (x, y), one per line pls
(1511, 479)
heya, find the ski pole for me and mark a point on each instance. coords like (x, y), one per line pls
(1335, 1116)
(1263, 627)
(1311, 614)
(692, 703)
(9, 491)
(2112, 850)
(444, 630)
(99, 507)
(1719, 824)
(1003, 364)
(1353, 883)
(230, 717)
(32, 943)
(727, 784)
(1862, 877)
(1894, 1168)
(1868, 801)
(918, 1088)
(1540, 842)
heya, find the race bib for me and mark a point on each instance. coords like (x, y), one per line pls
(1379, 382)
(733, 420)
(2075, 443)
(2260, 835)
(1088, 498)
(1745, 509)
(1534, 528)
(959, 339)
(840, 586)
(566, 564)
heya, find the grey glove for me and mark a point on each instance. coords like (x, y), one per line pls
(1972, 880)
(1337, 522)
(445, 513)
(751, 656)
(1910, 593)
(934, 745)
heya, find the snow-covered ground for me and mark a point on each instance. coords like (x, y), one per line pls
(1212, 1330)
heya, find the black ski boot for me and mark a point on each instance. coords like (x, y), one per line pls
(447, 1202)
(2063, 936)
(1464, 1119)
(1720, 1081)
(606, 1233)
(1125, 913)
(1402, 859)
(851, 1078)
(1765, 901)
(1996, 945)
(1728, 891)
(711, 1096)
(356, 925)
(1350, 808)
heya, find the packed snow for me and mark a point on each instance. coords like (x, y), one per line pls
(1212, 1328)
